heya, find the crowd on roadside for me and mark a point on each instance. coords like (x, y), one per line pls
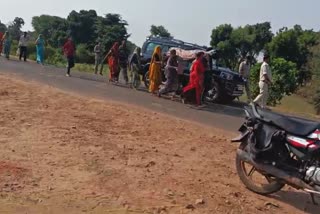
(119, 62)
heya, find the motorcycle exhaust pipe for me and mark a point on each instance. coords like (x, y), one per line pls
(282, 175)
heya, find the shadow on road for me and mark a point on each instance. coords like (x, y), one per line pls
(299, 200)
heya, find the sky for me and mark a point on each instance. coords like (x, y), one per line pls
(188, 20)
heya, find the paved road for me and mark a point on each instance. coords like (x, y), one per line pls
(222, 117)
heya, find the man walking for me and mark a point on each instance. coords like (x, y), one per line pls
(97, 53)
(123, 61)
(23, 43)
(264, 83)
(69, 51)
(244, 71)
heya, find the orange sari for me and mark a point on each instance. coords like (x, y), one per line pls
(155, 70)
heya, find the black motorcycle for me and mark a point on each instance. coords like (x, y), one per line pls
(278, 150)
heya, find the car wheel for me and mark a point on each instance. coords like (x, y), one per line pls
(146, 80)
(213, 94)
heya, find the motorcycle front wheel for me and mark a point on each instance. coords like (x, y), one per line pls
(255, 180)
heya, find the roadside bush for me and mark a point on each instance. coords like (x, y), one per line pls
(83, 55)
(284, 77)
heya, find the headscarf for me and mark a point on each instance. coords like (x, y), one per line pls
(136, 52)
(157, 51)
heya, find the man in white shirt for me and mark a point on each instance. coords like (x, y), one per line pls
(23, 43)
(264, 83)
(244, 71)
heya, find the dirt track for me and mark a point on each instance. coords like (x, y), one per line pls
(66, 154)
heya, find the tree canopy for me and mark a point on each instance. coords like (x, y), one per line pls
(294, 45)
(14, 27)
(234, 43)
(160, 31)
(3, 27)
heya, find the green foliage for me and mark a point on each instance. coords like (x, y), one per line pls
(83, 55)
(284, 75)
(294, 45)
(160, 31)
(82, 27)
(14, 28)
(236, 43)
(3, 27)
(110, 29)
(54, 29)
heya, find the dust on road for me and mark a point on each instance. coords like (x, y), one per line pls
(66, 154)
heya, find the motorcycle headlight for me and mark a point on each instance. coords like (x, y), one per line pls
(226, 76)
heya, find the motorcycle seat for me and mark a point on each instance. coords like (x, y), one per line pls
(293, 125)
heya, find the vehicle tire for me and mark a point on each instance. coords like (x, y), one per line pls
(272, 186)
(146, 80)
(213, 94)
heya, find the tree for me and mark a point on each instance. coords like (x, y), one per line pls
(110, 29)
(15, 28)
(294, 45)
(3, 27)
(221, 39)
(82, 26)
(284, 75)
(55, 30)
(234, 43)
(160, 31)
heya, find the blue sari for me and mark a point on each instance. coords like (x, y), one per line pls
(40, 50)
(6, 46)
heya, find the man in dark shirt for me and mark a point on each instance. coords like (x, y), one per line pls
(123, 60)
(69, 50)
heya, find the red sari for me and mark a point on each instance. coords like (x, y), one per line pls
(113, 62)
(195, 82)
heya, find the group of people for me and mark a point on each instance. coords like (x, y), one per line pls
(265, 80)
(118, 61)
(5, 46)
(192, 93)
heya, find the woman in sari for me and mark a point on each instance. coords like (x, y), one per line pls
(171, 84)
(113, 61)
(6, 41)
(155, 70)
(135, 67)
(193, 91)
(40, 49)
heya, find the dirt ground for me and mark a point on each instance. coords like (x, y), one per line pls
(65, 154)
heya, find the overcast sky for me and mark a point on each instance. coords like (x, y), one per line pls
(188, 20)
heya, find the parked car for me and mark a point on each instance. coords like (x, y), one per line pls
(222, 85)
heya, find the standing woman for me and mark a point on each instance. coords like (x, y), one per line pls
(113, 61)
(6, 39)
(155, 70)
(135, 67)
(193, 91)
(40, 49)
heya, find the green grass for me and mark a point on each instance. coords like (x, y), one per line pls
(294, 104)
(89, 68)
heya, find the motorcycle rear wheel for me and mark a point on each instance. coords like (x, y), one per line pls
(246, 176)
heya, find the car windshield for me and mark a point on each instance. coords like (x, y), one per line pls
(151, 46)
